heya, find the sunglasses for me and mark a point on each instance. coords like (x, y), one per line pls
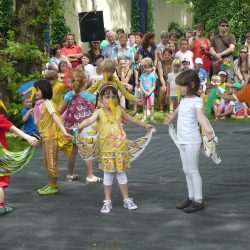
(224, 25)
(243, 52)
(95, 42)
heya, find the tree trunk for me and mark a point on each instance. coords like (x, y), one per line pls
(29, 30)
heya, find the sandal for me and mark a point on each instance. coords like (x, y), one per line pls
(93, 179)
(74, 177)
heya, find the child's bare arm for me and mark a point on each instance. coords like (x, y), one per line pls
(152, 90)
(60, 125)
(143, 90)
(30, 139)
(205, 124)
(169, 119)
(89, 121)
(129, 118)
(63, 107)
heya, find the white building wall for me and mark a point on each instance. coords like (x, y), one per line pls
(117, 14)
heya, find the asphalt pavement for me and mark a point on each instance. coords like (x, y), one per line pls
(72, 219)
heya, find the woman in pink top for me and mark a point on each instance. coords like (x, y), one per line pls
(199, 45)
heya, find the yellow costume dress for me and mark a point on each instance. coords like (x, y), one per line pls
(107, 140)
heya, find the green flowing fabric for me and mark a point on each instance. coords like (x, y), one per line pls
(13, 162)
(210, 101)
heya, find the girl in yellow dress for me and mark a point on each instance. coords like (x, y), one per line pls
(114, 157)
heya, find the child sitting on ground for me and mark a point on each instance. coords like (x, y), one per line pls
(240, 110)
(213, 98)
(224, 108)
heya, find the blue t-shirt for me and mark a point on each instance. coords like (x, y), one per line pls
(29, 126)
(148, 81)
(84, 94)
(202, 75)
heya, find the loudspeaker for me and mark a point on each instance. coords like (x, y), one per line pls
(91, 26)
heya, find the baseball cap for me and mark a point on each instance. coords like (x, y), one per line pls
(198, 60)
(237, 85)
(223, 73)
(185, 60)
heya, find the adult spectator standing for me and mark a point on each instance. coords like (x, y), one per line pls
(148, 48)
(138, 42)
(72, 51)
(107, 52)
(131, 42)
(222, 47)
(57, 58)
(123, 51)
(200, 45)
(162, 45)
(164, 68)
(94, 50)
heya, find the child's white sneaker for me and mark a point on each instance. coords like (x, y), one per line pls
(129, 204)
(107, 206)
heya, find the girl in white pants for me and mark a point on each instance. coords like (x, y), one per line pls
(190, 115)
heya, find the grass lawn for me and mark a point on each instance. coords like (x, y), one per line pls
(160, 117)
(15, 143)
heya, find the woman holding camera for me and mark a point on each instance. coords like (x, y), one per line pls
(200, 45)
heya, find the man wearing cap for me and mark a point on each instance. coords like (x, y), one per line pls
(222, 47)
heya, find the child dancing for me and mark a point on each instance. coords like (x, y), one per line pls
(79, 105)
(147, 85)
(49, 126)
(108, 69)
(6, 125)
(114, 157)
(190, 113)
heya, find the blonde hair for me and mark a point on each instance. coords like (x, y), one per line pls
(77, 80)
(214, 78)
(108, 65)
(51, 75)
(176, 62)
(25, 97)
(147, 65)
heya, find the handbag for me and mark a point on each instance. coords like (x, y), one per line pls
(209, 148)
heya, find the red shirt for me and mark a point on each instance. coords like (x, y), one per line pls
(4, 126)
(74, 49)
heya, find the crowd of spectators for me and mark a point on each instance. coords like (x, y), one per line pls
(212, 56)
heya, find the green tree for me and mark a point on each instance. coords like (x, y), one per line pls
(135, 16)
(209, 12)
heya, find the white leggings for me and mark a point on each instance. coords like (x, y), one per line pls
(109, 177)
(190, 158)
